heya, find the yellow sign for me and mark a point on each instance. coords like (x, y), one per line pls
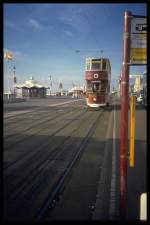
(138, 49)
(138, 55)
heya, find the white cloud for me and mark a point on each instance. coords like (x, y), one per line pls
(12, 25)
(68, 33)
(75, 17)
(33, 23)
(18, 55)
(36, 25)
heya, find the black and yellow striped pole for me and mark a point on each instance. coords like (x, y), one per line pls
(132, 129)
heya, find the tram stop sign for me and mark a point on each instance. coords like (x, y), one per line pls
(138, 47)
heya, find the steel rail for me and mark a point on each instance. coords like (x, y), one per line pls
(39, 156)
(50, 199)
(31, 135)
(56, 153)
(47, 138)
(36, 124)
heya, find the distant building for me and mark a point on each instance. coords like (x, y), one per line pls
(64, 92)
(145, 88)
(30, 89)
(119, 87)
(138, 84)
(135, 83)
(77, 91)
(145, 79)
(131, 88)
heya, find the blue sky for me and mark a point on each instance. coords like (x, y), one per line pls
(44, 39)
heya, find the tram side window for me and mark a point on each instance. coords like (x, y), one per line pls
(108, 67)
(89, 86)
(88, 66)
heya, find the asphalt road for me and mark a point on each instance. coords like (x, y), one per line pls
(137, 176)
(38, 144)
(31, 104)
(42, 135)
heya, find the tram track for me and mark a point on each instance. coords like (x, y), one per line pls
(47, 157)
(30, 115)
(26, 120)
(51, 199)
(36, 110)
(10, 117)
(34, 129)
(41, 176)
(34, 124)
(45, 145)
(45, 140)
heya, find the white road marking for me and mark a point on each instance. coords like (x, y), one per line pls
(7, 115)
(65, 102)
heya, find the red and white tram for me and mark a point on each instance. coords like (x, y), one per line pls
(97, 76)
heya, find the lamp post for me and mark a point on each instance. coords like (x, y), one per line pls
(50, 78)
(14, 78)
(9, 57)
(60, 87)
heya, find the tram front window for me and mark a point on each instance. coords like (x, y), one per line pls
(96, 66)
(96, 87)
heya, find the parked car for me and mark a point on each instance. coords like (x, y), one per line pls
(145, 98)
(140, 97)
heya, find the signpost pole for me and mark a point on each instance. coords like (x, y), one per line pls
(124, 114)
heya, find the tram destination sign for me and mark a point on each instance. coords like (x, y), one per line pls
(138, 47)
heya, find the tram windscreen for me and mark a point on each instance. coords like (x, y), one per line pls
(96, 87)
(99, 87)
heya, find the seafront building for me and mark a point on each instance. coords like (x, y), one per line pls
(30, 89)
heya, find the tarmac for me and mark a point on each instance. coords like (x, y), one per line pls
(107, 202)
(107, 205)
